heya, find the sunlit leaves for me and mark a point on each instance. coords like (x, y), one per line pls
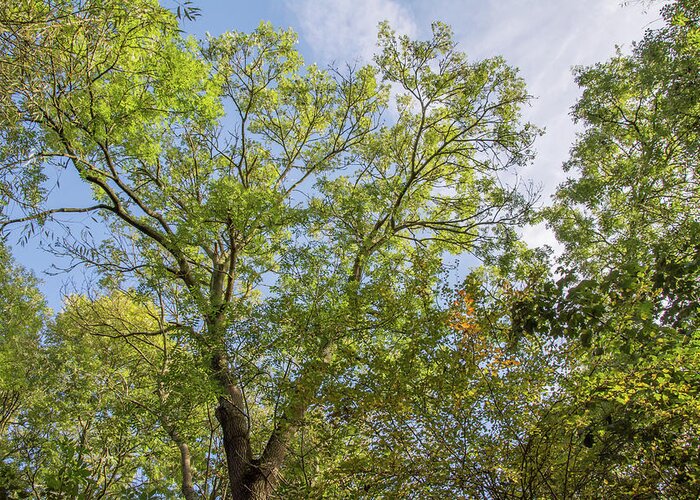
(289, 254)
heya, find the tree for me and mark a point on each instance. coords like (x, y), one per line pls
(23, 313)
(110, 383)
(85, 437)
(303, 192)
(629, 221)
(463, 406)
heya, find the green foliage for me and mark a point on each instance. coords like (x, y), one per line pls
(629, 221)
(23, 313)
(272, 316)
(638, 156)
(104, 378)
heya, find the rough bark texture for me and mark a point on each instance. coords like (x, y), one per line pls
(258, 486)
(256, 479)
(235, 427)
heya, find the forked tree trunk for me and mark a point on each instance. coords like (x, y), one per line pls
(256, 479)
(235, 427)
(250, 479)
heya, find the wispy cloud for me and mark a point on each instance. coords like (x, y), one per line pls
(545, 40)
(346, 30)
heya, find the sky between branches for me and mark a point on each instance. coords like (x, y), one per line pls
(543, 38)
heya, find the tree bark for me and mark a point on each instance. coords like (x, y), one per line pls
(257, 485)
(235, 427)
(187, 486)
(256, 479)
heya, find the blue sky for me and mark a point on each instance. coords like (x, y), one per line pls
(543, 38)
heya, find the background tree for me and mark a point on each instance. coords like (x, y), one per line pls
(23, 313)
(92, 401)
(85, 437)
(629, 222)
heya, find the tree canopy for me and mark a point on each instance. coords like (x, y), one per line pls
(274, 317)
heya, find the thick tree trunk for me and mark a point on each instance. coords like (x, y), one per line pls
(249, 479)
(236, 444)
(256, 479)
(235, 427)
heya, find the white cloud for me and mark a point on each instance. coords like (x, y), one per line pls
(539, 235)
(545, 40)
(346, 30)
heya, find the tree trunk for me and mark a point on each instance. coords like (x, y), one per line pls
(187, 487)
(256, 485)
(256, 479)
(235, 427)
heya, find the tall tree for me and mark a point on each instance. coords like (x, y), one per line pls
(303, 191)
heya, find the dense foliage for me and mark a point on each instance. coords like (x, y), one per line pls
(630, 224)
(273, 316)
